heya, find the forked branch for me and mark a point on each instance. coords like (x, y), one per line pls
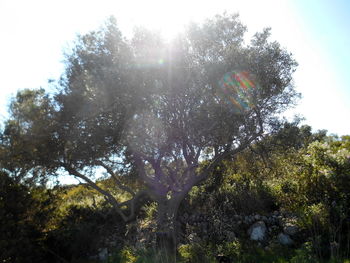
(115, 178)
(108, 196)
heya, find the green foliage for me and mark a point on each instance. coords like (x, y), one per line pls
(304, 254)
(313, 181)
(27, 139)
(76, 234)
(148, 107)
(70, 223)
(147, 112)
(307, 175)
(236, 195)
(23, 217)
(80, 225)
(39, 225)
(196, 253)
(127, 255)
(131, 255)
(234, 251)
(324, 184)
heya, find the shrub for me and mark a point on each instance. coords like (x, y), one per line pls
(22, 218)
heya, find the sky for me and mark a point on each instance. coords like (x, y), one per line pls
(34, 35)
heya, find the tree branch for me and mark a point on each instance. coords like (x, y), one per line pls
(131, 204)
(115, 178)
(185, 153)
(108, 196)
(152, 183)
(194, 180)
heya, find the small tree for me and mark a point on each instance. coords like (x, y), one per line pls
(169, 111)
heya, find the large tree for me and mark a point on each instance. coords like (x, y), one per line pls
(167, 111)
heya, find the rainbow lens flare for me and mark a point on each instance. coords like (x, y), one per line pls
(238, 88)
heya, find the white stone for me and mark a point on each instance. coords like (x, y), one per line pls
(284, 239)
(257, 231)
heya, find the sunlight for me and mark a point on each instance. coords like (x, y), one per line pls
(167, 17)
(171, 17)
(40, 23)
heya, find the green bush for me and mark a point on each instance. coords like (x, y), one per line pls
(22, 219)
(196, 253)
(82, 231)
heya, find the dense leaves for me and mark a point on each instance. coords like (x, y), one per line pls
(148, 98)
(194, 118)
(152, 108)
(23, 218)
(311, 181)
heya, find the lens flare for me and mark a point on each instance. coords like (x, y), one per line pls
(238, 88)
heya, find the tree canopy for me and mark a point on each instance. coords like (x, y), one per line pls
(168, 111)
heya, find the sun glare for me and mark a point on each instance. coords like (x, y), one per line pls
(170, 17)
(167, 17)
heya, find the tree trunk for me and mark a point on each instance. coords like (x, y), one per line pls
(167, 228)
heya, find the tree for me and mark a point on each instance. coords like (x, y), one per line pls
(167, 111)
(23, 216)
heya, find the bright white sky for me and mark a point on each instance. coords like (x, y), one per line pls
(35, 33)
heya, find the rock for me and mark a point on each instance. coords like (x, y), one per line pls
(257, 231)
(284, 239)
(257, 217)
(275, 213)
(290, 229)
